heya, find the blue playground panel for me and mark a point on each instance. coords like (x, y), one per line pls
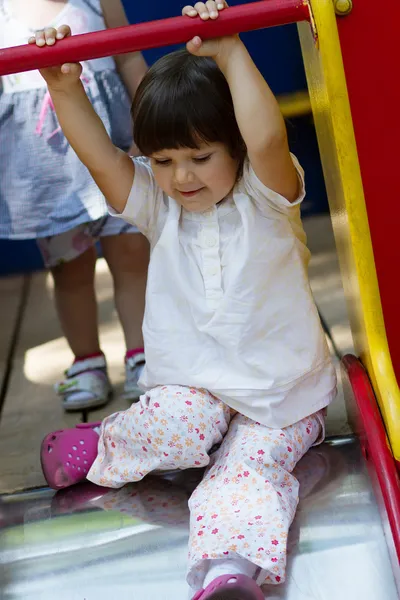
(277, 53)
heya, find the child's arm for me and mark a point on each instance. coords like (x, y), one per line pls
(132, 67)
(110, 167)
(257, 112)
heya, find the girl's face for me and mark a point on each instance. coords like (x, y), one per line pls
(196, 178)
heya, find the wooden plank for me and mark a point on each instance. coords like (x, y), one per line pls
(10, 297)
(32, 409)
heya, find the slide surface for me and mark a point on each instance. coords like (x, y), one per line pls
(135, 548)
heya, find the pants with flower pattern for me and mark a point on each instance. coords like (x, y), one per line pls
(247, 499)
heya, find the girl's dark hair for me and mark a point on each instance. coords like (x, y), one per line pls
(184, 100)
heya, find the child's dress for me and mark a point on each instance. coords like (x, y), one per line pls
(236, 358)
(44, 188)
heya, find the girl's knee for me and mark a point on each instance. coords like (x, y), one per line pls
(127, 255)
(165, 405)
(77, 272)
(193, 414)
(181, 398)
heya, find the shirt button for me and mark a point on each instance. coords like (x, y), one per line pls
(211, 271)
(210, 241)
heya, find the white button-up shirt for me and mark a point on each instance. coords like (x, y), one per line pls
(228, 301)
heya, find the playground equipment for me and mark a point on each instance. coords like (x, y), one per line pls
(348, 61)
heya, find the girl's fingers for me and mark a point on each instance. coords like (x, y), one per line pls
(211, 6)
(50, 36)
(205, 10)
(63, 31)
(74, 69)
(189, 11)
(201, 9)
(195, 44)
(39, 38)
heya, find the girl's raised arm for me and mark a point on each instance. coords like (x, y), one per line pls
(112, 169)
(257, 112)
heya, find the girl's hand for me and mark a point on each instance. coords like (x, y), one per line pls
(62, 76)
(206, 11)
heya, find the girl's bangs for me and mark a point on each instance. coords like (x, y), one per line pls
(176, 122)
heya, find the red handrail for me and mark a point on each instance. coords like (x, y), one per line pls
(177, 30)
(372, 434)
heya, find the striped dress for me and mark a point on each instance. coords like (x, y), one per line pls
(44, 189)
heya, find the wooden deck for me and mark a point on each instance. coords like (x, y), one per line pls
(34, 354)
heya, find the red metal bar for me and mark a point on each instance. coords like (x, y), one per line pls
(247, 17)
(375, 446)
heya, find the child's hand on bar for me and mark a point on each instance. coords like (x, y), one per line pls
(62, 76)
(206, 11)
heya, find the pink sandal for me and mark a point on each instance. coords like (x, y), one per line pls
(231, 587)
(67, 455)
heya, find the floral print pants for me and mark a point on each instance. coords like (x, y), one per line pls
(247, 499)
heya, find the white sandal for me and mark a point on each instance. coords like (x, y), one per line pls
(86, 385)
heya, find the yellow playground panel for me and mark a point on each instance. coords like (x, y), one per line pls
(333, 120)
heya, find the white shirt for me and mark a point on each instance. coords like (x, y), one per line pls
(228, 301)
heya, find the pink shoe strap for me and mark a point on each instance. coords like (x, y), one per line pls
(133, 352)
(241, 583)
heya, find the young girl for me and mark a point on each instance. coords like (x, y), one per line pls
(238, 373)
(46, 193)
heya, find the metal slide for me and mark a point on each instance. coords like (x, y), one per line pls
(131, 544)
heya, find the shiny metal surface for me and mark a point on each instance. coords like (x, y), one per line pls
(53, 547)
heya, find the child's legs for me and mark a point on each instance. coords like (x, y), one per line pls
(171, 427)
(247, 500)
(71, 257)
(127, 255)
